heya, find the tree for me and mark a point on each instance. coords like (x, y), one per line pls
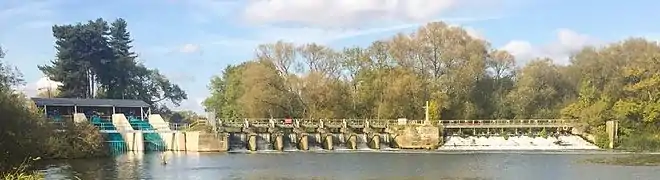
(9, 76)
(184, 117)
(461, 77)
(94, 60)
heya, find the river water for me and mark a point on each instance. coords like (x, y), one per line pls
(524, 165)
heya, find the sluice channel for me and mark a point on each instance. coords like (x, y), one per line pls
(237, 142)
(264, 142)
(242, 142)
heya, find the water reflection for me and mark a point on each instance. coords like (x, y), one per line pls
(365, 165)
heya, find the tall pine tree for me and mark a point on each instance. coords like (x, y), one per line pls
(94, 60)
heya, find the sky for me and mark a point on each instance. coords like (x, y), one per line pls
(191, 41)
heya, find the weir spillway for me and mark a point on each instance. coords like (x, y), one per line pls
(361, 134)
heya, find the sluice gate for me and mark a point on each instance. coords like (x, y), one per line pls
(367, 134)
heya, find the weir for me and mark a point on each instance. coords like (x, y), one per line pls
(366, 134)
(138, 131)
(126, 126)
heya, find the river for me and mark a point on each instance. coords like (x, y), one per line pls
(522, 165)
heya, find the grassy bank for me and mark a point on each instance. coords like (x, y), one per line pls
(631, 160)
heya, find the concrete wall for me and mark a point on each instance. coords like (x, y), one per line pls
(134, 141)
(181, 141)
(192, 141)
(121, 123)
(209, 142)
(416, 136)
(158, 122)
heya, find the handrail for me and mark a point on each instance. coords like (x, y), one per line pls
(360, 122)
(179, 126)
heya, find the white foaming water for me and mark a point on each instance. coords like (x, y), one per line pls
(569, 142)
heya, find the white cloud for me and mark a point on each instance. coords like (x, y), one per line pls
(269, 34)
(567, 42)
(189, 48)
(344, 12)
(326, 21)
(520, 49)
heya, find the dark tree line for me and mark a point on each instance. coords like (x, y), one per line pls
(95, 60)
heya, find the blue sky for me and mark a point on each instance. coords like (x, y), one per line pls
(192, 40)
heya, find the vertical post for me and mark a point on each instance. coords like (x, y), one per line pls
(426, 113)
(75, 109)
(142, 113)
(114, 111)
(46, 111)
(149, 111)
(612, 128)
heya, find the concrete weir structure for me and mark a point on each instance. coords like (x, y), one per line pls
(365, 134)
(127, 125)
(345, 134)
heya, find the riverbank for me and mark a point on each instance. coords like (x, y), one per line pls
(650, 159)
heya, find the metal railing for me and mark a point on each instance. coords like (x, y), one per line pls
(508, 122)
(382, 122)
(179, 126)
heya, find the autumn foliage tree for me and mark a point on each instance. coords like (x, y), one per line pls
(462, 78)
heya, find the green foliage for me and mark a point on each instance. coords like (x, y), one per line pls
(26, 134)
(184, 117)
(94, 60)
(83, 137)
(21, 172)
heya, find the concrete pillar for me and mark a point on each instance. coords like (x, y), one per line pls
(179, 142)
(138, 141)
(328, 142)
(252, 142)
(79, 118)
(612, 128)
(375, 142)
(128, 139)
(168, 139)
(192, 141)
(278, 143)
(224, 142)
(303, 142)
(352, 141)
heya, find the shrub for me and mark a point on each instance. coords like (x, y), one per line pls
(26, 134)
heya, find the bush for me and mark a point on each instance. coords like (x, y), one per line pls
(26, 134)
(23, 132)
(602, 138)
(22, 171)
(639, 141)
(79, 140)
